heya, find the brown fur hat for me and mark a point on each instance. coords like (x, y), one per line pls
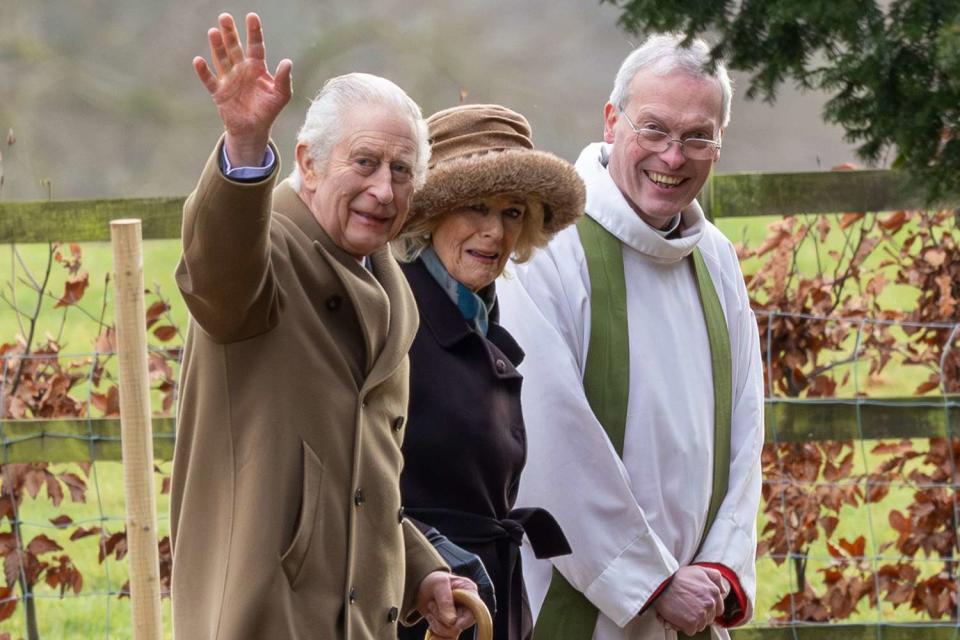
(480, 150)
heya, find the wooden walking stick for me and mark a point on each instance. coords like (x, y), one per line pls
(473, 602)
(135, 430)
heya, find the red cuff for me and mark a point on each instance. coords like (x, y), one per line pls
(657, 592)
(726, 572)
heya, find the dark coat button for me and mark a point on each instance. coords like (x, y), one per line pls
(334, 302)
(352, 596)
(393, 614)
(501, 365)
(398, 423)
(400, 514)
(358, 498)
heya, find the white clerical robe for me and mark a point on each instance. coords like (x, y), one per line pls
(633, 521)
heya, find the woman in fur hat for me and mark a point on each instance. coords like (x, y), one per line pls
(489, 196)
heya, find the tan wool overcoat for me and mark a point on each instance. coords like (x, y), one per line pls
(285, 507)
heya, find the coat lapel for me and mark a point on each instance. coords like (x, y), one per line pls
(375, 302)
(401, 317)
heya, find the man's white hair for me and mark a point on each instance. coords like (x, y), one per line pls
(664, 53)
(321, 128)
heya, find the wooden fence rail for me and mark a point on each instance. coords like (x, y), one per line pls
(724, 196)
(77, 439)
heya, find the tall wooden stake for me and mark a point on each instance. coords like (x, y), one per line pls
(136, 430)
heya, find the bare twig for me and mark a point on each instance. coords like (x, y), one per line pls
(33, 321)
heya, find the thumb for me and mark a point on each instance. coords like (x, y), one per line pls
(443, 596)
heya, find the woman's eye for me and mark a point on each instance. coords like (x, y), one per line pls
(478, 207)
(513, 213)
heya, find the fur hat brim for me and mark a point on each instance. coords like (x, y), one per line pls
(525, 172)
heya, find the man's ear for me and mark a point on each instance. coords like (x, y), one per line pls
(307, 167)
(610, 117)
(716, 155)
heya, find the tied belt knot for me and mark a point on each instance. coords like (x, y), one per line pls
(545, 536)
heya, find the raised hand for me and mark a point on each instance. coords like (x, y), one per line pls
(248, 98)
(693, 599)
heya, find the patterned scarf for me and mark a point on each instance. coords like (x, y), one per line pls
(474, 307)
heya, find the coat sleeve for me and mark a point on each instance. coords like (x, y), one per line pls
(225, 272)
(421, 559)
(731, 543)
(572, 470)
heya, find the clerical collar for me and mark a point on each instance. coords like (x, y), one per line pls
(663, 232)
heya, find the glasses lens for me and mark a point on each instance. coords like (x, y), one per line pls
(698, 149)
(653, 140)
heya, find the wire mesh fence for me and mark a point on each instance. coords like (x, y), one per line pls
(858, 523)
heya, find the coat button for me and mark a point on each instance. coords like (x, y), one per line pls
(501, 365)
(358, 498)
(398, 423)
(334, 302)
(393, 614)
(400, 514)
(352, 596)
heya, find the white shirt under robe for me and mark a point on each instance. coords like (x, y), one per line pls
(632, 522)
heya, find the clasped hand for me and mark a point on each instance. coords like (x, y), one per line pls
(692, 600)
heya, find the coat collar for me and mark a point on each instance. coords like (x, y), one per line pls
(444, 321)
(606, 205)
(382, 299)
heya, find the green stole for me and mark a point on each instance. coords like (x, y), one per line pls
(566, 613)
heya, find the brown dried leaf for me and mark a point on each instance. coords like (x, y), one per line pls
(42, 544)
(108, 403)
(165, 333)
(106, 341)
(76, 485)
(8, 604)
(61, 521)
(156, 311)
(80, 532)
(893, 221)
(73, 289)
(847, 219)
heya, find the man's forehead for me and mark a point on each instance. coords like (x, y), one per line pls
(378, 143)
(676, 97)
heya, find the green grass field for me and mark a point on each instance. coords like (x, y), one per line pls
(107, 616)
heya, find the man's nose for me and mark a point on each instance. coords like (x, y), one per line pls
(673, 156)
(381, 186)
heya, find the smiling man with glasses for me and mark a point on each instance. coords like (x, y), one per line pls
(642, 393)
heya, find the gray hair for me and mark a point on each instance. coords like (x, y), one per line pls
(663, 53)
(321, 132)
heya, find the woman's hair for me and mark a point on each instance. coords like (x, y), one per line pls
(418, 234)
(321, 128)
(663, 53)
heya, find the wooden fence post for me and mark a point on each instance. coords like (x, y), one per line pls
(136, 436)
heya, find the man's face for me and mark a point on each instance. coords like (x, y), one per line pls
(659, 185)
(361, 195)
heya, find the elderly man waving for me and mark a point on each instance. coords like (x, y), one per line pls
(642, 395)
(286, 509)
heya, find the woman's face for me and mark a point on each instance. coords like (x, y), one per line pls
(475, 240)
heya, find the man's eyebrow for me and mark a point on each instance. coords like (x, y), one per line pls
(365, 150)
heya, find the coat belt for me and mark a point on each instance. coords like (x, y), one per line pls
(545, 535)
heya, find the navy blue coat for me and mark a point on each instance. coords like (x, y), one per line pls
(465, 444)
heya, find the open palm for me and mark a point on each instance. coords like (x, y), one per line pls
(247, 96)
